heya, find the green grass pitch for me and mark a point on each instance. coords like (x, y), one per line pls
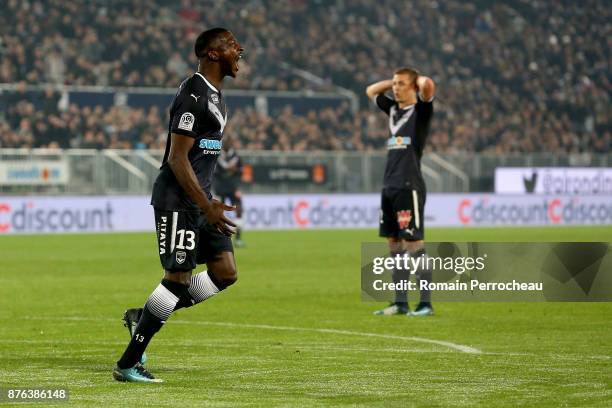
(292, 331)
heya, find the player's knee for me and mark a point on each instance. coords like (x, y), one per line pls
(223, 270)
(183, 277)
(414, 246)
(395, 244)
(228, 276)
(230, 280)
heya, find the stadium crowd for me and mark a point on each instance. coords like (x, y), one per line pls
(54, 125)
(514, 77)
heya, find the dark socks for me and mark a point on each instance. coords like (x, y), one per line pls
(401, 296)
(423, 274)
(184, 301)
(156, 311)
(202, 286)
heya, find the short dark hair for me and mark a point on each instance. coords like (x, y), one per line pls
(205, 40)
(408, 71)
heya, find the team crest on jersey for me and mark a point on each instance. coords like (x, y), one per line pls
(214, 98)
(180, 257)
(403, 218)
(186, 121)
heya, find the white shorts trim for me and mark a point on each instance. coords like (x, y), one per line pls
(415, 205)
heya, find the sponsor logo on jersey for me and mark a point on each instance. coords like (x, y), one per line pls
(398, 142)
(186, 121)
(161, 227)
(180, 257)
(403, 218)
(214, 98)
(210, 146)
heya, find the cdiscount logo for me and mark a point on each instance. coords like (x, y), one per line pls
(311, 214)
(557, 210)
(27, 217)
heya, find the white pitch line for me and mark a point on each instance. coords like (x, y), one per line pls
(448, 344)
(103, 345)
(459, 347)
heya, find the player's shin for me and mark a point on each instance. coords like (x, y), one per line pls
(424, 276)
(399, 275)
(156, 311)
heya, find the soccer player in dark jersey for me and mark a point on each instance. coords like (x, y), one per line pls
(226, 181)
(403, 195)
(191, 227)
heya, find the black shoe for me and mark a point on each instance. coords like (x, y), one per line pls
(143, 371)
(130, 320)
(136, 374)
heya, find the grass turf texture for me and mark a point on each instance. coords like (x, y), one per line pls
(63, 297)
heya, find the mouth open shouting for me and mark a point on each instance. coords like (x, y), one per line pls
(235, 64)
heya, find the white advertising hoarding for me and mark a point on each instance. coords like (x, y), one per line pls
(553, 180)
(75, 214)
(42, 172)
(32, 215)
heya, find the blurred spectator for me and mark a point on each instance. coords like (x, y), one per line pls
(324, 129)
(512, 76)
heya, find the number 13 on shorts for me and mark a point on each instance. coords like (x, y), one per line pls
(181, 235)
(177, 239)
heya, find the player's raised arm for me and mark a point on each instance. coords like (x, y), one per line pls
(426, 88)
(379, 87)
(179, 164)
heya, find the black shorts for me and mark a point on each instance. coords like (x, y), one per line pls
(402, 214)
(185, 239)
(232, 195)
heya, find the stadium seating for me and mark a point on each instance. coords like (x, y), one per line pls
(549, 58)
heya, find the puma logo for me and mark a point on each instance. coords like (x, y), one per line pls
(195, 97)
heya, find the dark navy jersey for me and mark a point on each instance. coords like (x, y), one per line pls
(227, 174)
(408, 129)
(198, 111)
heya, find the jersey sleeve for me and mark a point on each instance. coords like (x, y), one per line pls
(424, 108)
(420, 97)
(424, 114)
(384, 103)
(187, 114)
